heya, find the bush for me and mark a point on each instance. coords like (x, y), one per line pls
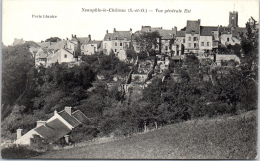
(39, 143)
(19, 152)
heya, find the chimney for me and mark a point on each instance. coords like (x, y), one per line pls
(199, 21)
(175, 30)
(67, 139)
(39, 123)
(67, 38)
(55, 113)
(75, 36)
(19, 133)
(68, 110)
(114, 29)
(89, 36)
(107, 31)
(71, 35)
(130, 29)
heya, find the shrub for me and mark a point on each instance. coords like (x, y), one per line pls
(40, 144)
(18, 152)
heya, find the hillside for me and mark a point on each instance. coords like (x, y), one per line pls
(233, 137)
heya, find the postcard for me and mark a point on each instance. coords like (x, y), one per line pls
(143, 79)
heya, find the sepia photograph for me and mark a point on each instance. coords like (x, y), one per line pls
(139, 79)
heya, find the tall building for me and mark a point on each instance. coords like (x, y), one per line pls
(233, 19)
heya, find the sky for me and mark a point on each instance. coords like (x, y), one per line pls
(18, 18)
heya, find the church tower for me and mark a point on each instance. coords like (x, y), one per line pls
(233, 19)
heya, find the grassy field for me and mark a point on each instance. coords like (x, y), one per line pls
(233, 137)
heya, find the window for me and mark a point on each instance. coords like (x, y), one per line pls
(116, 38)
(105, 45)
(207, 43)
(189, 38)
(183, 40)
(166, 47)
(195, 45)
(115, 50)
(65, 56)
(115, 43)
(177, 46)
(121, 44)
(189, 44)
(202, 43)
(227, 39)
(194, 38)
(82, 46)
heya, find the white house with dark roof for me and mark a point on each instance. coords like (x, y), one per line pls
(58, 126)
(91, 47)
(118, 41)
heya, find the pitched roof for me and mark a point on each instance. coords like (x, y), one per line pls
(193, 26)
(53, 130)
(70, 119)
(166, 34)
(207, 30)
(43, 53)
(80, 116)
(180, 34)
(225, 30)
(46, 44)
(108, 36)
(58, 45)
(95, 42)
(82, 40)
(121, 35)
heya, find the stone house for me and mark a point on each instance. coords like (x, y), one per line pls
(118, 41)
(61, 56)
(192, 36)
(58, 126)
(91, 47)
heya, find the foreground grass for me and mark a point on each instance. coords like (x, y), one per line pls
(219, 138)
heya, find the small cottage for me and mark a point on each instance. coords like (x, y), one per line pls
(58, 126)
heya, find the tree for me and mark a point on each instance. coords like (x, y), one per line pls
(17, 72)
(147, 42)
(249, 45)
(53, 39)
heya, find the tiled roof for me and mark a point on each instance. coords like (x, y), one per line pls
(207, 30)
(70, 119)
(180, 34)
(108, 36)
(121, 35)
(193, 26)
(58, 45)
(95, 42)
(80, 116)
(166, 34)
(82, 40)
(225, 30)
(43, 54)
(53, 130)
(46, 44)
